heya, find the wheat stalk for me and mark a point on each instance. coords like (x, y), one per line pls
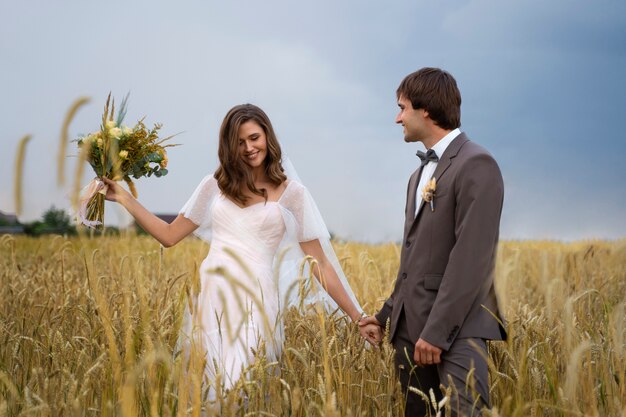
(64, 136)
(19, 172)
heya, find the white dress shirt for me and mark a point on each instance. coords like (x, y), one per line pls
(429, 169)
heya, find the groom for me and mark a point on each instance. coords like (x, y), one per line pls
(443, 307)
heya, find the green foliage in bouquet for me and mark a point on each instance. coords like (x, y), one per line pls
(120, 152)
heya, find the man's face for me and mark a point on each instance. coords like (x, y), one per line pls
(412, 120)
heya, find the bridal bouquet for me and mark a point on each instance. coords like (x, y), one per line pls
(118, 152)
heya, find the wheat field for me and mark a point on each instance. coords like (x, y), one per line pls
(88, 327)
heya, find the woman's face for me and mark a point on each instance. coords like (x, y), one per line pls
(252, 144)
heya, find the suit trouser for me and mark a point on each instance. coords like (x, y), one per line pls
(464, 355)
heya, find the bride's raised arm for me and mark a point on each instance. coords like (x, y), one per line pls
(168, 234)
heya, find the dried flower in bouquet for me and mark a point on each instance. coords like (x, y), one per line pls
(118, 152)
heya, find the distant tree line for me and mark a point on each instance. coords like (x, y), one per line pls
(53, 221)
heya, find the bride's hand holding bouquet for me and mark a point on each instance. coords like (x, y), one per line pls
(115, 192)
(117, 152)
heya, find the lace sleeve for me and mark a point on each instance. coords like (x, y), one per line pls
(198, 207)
(308, 220)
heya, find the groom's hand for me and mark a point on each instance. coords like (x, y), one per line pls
(372, 333)
(370, 330)
(426, 354)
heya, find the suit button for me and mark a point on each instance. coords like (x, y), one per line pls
(404, 275)
(408, 243)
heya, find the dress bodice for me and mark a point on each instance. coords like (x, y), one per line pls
(252, 233)
(263, 239)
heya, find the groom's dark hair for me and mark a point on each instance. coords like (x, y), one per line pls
(435, 91)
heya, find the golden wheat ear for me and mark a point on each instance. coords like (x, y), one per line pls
(105, 114)
(19, 173)
(69, 116)
(131, 186)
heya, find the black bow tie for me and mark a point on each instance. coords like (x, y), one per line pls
(427, 157)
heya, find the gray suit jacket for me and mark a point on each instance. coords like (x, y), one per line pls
(445, 280)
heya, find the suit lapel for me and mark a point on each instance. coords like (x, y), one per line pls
(442, 166)
(410, 200)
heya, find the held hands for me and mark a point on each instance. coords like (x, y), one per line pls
(115, 192)
(426, 354)
(370, 330)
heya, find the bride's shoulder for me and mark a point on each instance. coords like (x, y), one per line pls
(208, 184)
(293, 187)
(209, 179)
(294, 194)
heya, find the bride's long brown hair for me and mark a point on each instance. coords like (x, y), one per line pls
(233, 173)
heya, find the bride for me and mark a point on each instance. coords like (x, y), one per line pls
(260, 220)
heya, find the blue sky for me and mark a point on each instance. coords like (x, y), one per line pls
(542, 83)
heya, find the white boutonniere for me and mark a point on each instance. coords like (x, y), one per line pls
(428, 194)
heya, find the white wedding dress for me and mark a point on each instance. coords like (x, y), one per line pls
(250, 274)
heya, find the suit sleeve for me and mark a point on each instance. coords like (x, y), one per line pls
(385, 312)
(479, 196)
